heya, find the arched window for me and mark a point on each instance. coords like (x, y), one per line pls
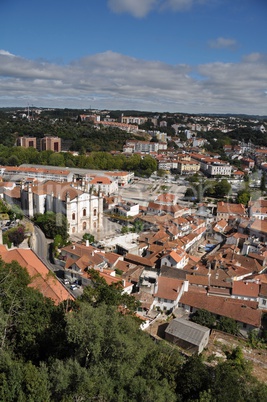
(95, 212)
(84, 225)
(73, 216)
(84, 212)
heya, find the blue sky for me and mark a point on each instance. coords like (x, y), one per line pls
(193, 56)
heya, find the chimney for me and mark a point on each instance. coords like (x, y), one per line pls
(186, 285)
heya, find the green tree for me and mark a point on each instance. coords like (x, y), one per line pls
(53, 224)
(263, 182)
(222, 188)
(229, 325)
(243, 197)
(88, 236)
(16, 235)
(204, 317)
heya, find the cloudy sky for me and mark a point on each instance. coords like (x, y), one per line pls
(194, 56)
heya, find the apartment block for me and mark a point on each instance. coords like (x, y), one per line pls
(50, 144)
(26, 142)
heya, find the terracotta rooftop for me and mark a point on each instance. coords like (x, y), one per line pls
(136, 259)
(232, 209)
(245, 288)
(259, 225)
(42, 278)
(239, 310)
(168, 288)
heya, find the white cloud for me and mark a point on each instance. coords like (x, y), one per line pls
(140, 8)
(137, 8)
(221, 43)
(113, 81)
(5, 53)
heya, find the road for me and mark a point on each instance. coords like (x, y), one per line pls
(40, 246)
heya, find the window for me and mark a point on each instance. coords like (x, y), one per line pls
(84, 225)
(84, 212)
(73, 216)
(73, 230)
(95, 212)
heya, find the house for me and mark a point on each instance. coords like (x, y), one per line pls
(127, 209)
(176, 259)
(258, 209)
(226, 210)
(168, 292)
(247, 289)
(258, 228)
(245, 313)
(104, 185)
(188, 335)
(263, 296)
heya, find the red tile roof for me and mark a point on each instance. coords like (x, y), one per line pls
(168, 288)
(42, 278)
(239, 310)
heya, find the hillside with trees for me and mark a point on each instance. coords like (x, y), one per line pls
(93, 350)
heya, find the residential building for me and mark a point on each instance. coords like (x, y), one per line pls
(226, 210)
(258, 209)
(187, 167)
(211, 166)
(168, 293)
(21, 173)
(133, 120)
(123, 178)
(104, 185)
(127, 209)
(176, 259)
(245, 314)
(26, 142)
(50, 144)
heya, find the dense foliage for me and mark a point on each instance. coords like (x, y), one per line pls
(225, 324)
(15, 156)
(53, 224)
(90, 350)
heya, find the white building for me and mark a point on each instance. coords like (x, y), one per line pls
(83, 210)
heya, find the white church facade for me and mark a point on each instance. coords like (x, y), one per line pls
(83, 209)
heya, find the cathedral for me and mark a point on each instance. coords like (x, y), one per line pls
(82, 207)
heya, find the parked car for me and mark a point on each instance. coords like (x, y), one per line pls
(73, 287)
(66, 281)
